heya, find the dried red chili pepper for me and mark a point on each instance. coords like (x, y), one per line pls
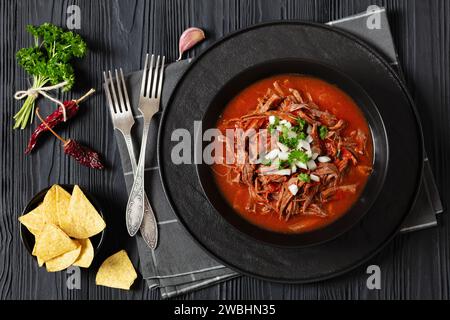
(55, 118)
(83, 155)
(80, 153)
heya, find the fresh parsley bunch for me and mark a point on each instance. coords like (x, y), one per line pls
(48, 61)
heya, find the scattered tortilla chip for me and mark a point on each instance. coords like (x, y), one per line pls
(117, 271)
(86, 256)
(81, 220)
(40, 261)
(49, 206)
(34, 220)
(53, 242)
(63, 261)
(62, 201)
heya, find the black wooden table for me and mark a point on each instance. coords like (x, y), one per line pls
(118, 33)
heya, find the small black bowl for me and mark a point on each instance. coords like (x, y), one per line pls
(27, 237)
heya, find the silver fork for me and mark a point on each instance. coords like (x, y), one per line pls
(123, 120)
(151, 87)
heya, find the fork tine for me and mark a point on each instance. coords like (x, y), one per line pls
(155, 78)
(144, 75)
(161, 76)
(149, 76)
(108, 94)
(119, 91)
(116, 102)
(127, 100)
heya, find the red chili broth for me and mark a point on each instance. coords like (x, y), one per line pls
(328, 97)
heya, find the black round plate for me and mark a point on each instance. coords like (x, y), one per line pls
(28, 238)
(214, 69)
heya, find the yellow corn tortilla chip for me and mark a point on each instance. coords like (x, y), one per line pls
(81, 220)
(53, 242)
(39, 260)
(62, 201)
(117, 271)
(63, 261)
(86, 256)
(49, 206)
(34, 220)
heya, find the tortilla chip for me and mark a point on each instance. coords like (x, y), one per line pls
(86, 256)
(117, 271)
(34, 220)
(39, 260)
(81, 220)
(62, 201)
(63, 261)
(49, 206)
(53, 242)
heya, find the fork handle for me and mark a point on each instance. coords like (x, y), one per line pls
(149, 227)
(135, 205)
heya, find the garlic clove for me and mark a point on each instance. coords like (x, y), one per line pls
(189, 38)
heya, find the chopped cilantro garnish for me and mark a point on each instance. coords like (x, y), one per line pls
(297, 155)
(272, 128)
(283, 164)
(301, 123)
(323, 131)
(304, 177)
(290, 141)
(302, 136)
(274, 125)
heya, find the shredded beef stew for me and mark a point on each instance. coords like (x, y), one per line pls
(316, 153)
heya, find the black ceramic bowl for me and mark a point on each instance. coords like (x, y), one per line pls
(28, 238)
(379, 139)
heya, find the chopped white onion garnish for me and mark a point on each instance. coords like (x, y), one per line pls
(272, 119)
(283, 155)
(272, 154)
(282, 147)
(285, 123)
(309, 139)
(278, 128)
(301, 165)
(304, 145)
(324, 159)
(282, 172)
(266, 170)
(293, 189)
(314, 178)
(309, 129)
(294, 168)
(311, 165)
(314, 155)
(309, 153)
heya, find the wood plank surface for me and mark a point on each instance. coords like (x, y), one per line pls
(118, 33)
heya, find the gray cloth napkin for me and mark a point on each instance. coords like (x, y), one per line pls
(373, 27)
(179, 265)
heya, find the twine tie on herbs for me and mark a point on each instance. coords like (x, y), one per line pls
(34, 92)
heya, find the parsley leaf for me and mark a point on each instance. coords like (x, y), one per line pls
(297, 155)
(301, 123)
(48, 61)
(304, 177)
(323, 131)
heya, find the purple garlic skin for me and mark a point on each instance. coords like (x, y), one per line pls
(189, 38)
